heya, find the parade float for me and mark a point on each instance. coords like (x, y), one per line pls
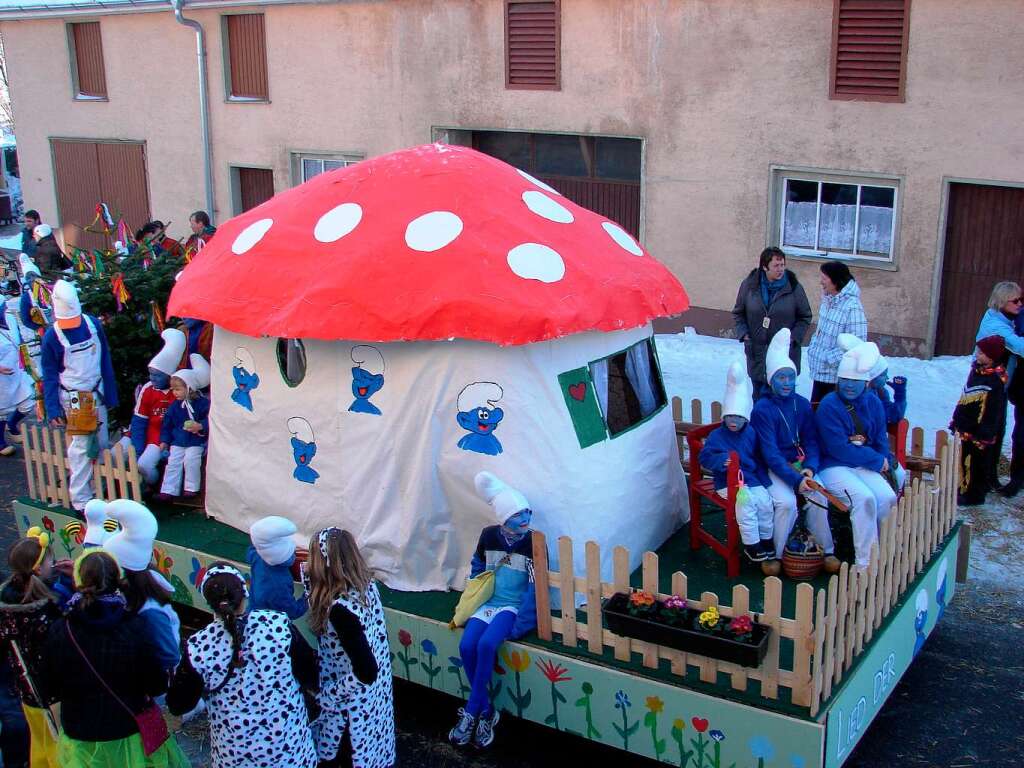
(387, 330)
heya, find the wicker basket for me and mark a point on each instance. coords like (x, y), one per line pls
(802, 566)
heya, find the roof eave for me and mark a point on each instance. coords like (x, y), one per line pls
(44, 11)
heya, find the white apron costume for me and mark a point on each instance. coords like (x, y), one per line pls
(258, 718)
(82, 374)
(367, 709)
(27, 337)
(16, 390)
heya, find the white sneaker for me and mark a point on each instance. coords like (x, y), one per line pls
(462, 733)
(484, 734)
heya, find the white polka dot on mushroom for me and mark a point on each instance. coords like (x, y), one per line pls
(433, 231)
(251, 235)
(538, 182)
(338, 222)
(533, 261)
(544, 206)
(622, 238)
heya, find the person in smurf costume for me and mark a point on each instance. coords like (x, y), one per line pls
(479, 416)
(245, 376)
(270, 560)
(99, 526)
(367, 378)
(303, 449)
(152, 403)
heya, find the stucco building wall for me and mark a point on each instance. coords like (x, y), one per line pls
(720, 91)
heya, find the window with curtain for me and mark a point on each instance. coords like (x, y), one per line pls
(628, 387)
(309, 165)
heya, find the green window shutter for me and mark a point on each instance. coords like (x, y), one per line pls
(578, 391)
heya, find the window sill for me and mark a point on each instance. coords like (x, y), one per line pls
(88, 97)
(246, 100)
(854, 261)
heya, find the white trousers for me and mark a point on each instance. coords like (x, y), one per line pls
(872, 500)
(784, 499)
(80, 482)
(188, 459)
(753, 514)
(148, 462)
(25, 407)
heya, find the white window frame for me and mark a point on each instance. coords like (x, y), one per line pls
(298, 156)
(777, 213)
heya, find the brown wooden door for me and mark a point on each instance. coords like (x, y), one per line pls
(618, 200)
(255, 186)
(984, 245)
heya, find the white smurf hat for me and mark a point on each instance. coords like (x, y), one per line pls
(880, 367)
(200, 369)
(27, 265)
(505, 499)
(243, 358)
(777, 356)
(858, 363)
(480, 394)
(848, 341)
(168, 358)
(65, 300)
(133, 544)
(272, 538)
(95, 516)
(368, 358)
(188, 376)
(739, 392)
(301, 429)
(42, 230)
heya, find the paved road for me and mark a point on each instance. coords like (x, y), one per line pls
(961, 704)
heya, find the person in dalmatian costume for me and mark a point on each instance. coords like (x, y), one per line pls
(76, 361)
(356, 725)
(152, 403)
(510, 613)
(250, 668)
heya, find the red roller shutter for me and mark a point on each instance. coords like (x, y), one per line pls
(255, 186)
(247, 56)
(533, 44)
(869, 49)
(90, 78)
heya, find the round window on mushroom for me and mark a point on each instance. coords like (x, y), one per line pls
(291, 360)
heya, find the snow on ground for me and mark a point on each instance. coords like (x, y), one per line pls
(694, 366)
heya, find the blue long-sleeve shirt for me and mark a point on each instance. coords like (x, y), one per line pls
(52, 364)
(25, 311)
(835, 427)
(273, 588)
(491, 550)
(784, 426)
(721, 443)
(895, 407)
(173, 430)
(995, 323)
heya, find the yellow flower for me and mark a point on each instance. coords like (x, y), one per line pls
(655, 704)
(679, 724)
(519, 662)
(710, 617)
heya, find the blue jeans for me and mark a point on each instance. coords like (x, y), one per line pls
(479, 649)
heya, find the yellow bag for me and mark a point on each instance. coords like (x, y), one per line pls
(82, 416)
(478, 591)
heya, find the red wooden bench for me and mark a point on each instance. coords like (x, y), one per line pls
(704, 488)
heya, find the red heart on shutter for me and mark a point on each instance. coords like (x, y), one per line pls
(578, 391)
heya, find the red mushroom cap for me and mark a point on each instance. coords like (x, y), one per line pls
(434, 242)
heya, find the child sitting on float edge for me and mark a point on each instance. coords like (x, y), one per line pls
(754, 509)
(185, 431)
(977, 420)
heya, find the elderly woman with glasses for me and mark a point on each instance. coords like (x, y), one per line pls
(1002, 318)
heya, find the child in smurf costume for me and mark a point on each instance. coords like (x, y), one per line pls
(754, 508)
(303, 449)
(270, 560)
(511, 612)
(367, 378)
(479, 416)
(184, 433)
(245, 376)
(17, 392)
(895, 406)
(152, 403)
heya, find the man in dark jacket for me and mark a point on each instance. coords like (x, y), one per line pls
(769, 299)
(28, 243)
(49, 257)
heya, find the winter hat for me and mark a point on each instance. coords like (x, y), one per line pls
(480, 394)
(96, 533)
(505, 499)
(848, 341)
(167, 359)
(27, 265)
(201, 370)
(41, 231)
(272, 538)
(65, 299)
(133, 544)
(777, 356)
(739, 392)
(858, 363)
(993, 346)
(880, 367)
(188, 376)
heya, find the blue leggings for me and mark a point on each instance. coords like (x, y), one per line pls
(479, 648)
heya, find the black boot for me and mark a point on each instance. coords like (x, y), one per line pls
(1013, 487)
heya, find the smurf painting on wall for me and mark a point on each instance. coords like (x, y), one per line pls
(479, 416)
(367, 378)
(245, 376)
(303, 449)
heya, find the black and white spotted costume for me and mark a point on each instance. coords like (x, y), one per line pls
(258, 718)
(368, 710)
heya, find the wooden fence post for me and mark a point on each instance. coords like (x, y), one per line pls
(709, 667)
(620, 572)
(843, 588)
(830, 636)
(542, 585)
(650, 584)
(803, 645)
(770, 618)
(567, 583)
(595, 638)
(679, 588)
(820, 663)
(740, 607)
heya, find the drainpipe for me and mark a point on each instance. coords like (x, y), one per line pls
(204, 99)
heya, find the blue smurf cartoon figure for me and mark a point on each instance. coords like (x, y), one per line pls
(246, 379)
(920, 620)
(940, 589)
(303, 450)
(479, 416)
(367, 378)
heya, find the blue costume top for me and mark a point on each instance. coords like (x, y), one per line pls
(995, 323)
(895, 407)
(52, 364)
(273, 588)
(25, 311)
(513, 575)
(716, 452)
(173, 430)
(785, 426)
(835, 427)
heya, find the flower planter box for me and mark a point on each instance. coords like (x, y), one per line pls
(682, 637)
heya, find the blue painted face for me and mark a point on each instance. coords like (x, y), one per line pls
(784, 382)
(482, 421)
(734, 423)
(850, 389)
(879, 381)
(519, 523)
(365, 384)
(159, 379)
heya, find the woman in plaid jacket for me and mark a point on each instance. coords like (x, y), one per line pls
(840, 312)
